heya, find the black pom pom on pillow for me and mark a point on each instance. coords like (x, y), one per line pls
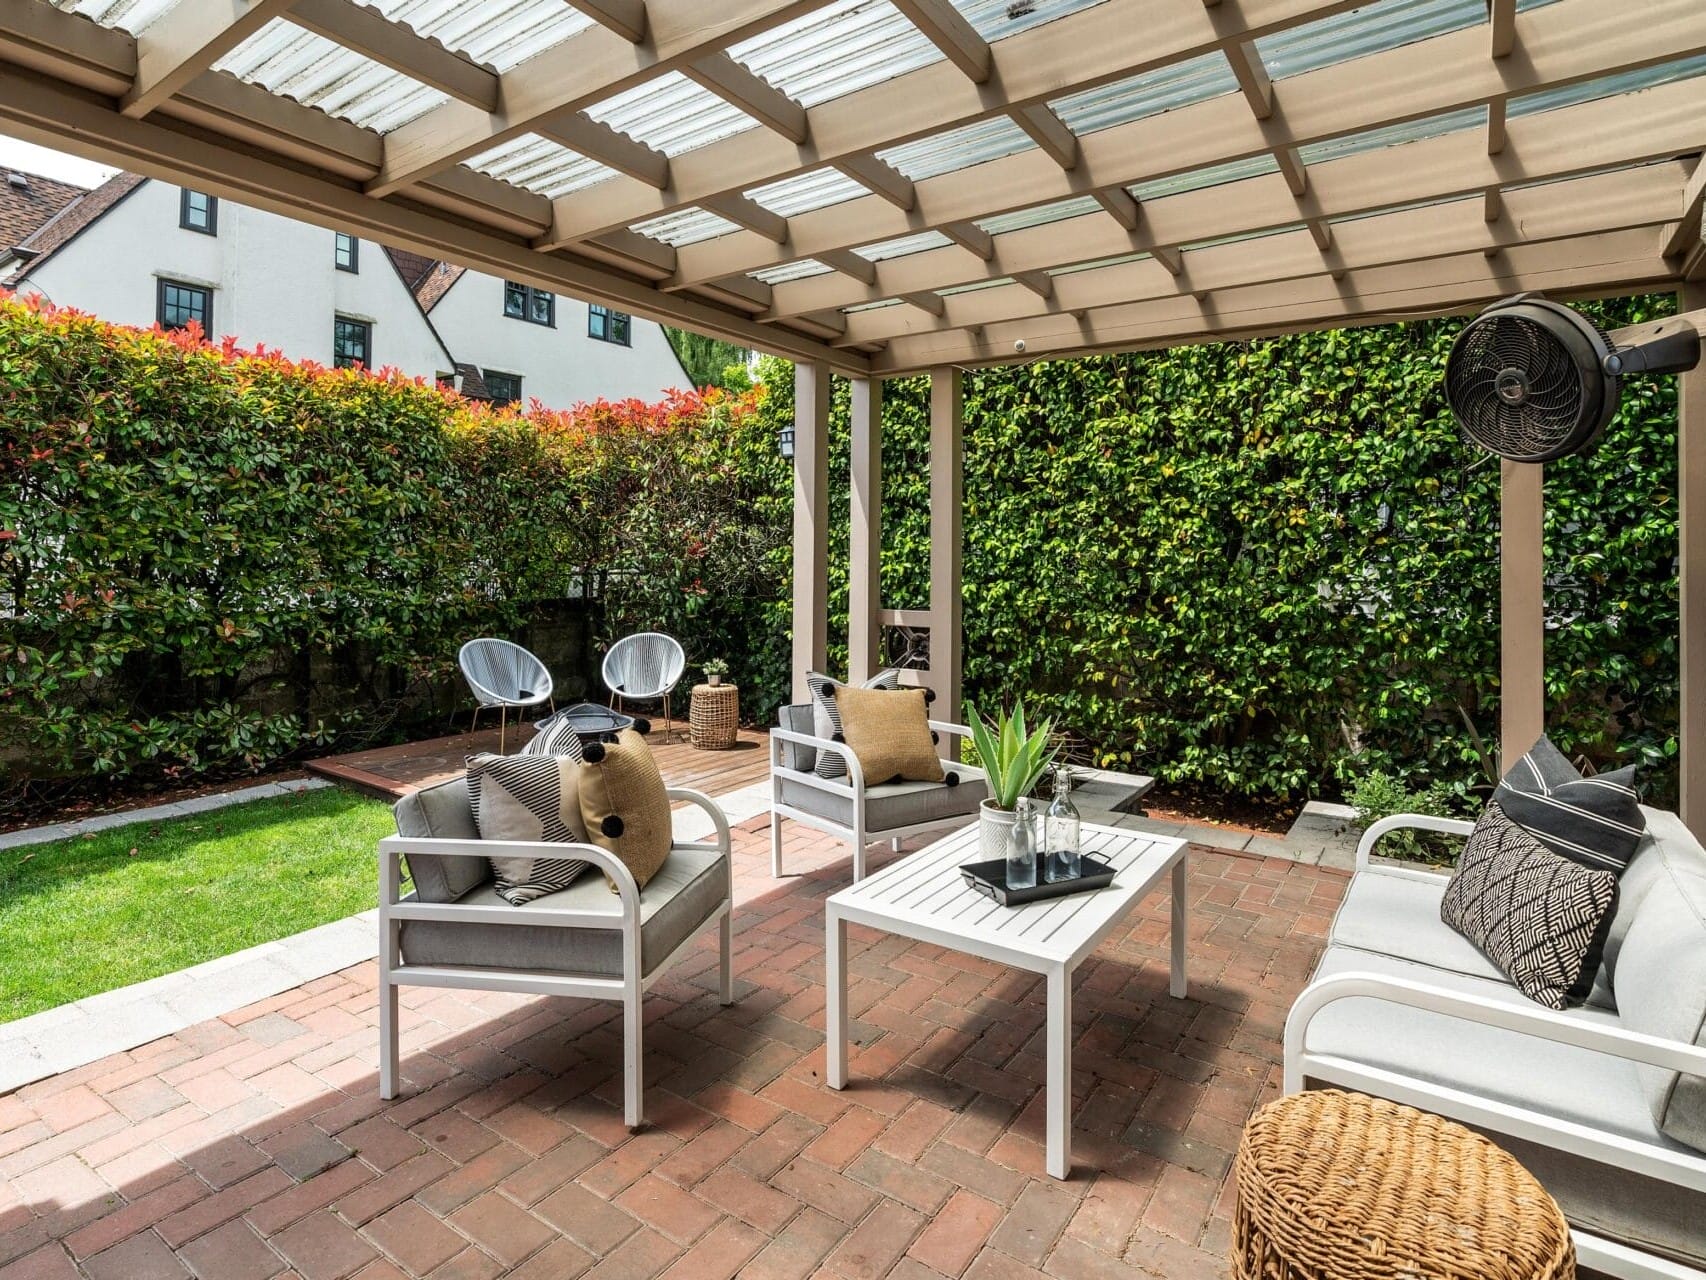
(952, 779)
(612, 826)
(642, 727)
(592, 752)
(929, 696)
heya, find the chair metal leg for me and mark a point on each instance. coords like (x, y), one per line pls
(633, 1058)
(503, 727)
(474, 720)
(775, 836)
(388, 1038)
(725, 961)
(858, 851)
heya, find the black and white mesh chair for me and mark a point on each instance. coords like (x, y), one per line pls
(504, 675)
(644, 668)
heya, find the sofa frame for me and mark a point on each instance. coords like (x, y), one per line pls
(629, 988)
(1608, 1256)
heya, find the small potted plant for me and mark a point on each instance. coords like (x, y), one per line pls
(1014, 757)
(715, 669)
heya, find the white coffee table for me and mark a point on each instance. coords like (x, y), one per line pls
(923, 896)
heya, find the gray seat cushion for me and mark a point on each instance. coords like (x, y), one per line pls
(1395, 915)
(892, 805)
(1591, 1089)
(442, 812)
(684, 893)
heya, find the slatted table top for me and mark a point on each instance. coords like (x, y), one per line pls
(924, 896)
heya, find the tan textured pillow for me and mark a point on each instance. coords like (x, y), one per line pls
(624, 806)
(888, 732)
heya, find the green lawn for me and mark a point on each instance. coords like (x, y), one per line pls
(92, 913)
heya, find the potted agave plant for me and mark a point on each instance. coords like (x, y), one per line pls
(715, 669)
(1014, 757)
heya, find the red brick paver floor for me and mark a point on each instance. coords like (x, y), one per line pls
(256, 1145)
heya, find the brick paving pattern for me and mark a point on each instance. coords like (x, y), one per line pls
(256, 1145)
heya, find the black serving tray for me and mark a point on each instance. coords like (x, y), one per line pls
(990, 879)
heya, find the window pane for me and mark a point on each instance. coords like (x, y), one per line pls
(345, 252)
(197, 210)
(515, 300)
(541, 306)
(619, 328)
(504, 388)
(350, 341)
(181, 303)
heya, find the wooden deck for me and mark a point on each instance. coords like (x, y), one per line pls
(390, 772)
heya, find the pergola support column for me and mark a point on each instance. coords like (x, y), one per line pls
(1522, 616)
(947, 453)
(811, 522)
(1691, 584)
(865, 533)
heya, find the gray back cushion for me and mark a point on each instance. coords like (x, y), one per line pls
(1658, 972)
(442, 812)
(797, 718)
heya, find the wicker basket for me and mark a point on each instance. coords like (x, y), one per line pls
(713, 718)
(1337, 1186)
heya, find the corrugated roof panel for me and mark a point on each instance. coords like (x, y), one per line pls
(500, 33)
(1149, 94)
(318, 73)
(814, 189)
(904, 246)
(1199, 179)
(1039, 215)
(958, 148)
(837, 50)
(1606, 86)
(1394, 135)
(686, 226)
(872, 306)
(1370, 29)
(1117, 261)
(540, 165)
(129, 15)
(672, 114)
(804, 269)
(998, 19)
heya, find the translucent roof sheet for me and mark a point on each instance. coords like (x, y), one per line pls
(814, 189)
(904, 247)
(997, 19)
(318, 73)
(540, 165)
(672, 114)
(129, 15)
(1199, 179)
(958, 148)
(804, 269)
(1148, 94)
(837, 50)
(686, 226)
(1606, 86)
(1039, 215)
(1370, 29)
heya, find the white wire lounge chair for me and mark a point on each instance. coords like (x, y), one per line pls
(644, 668)
(504, 675)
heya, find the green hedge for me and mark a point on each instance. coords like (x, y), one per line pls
(1268, 567)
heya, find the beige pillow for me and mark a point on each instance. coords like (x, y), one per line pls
(623, 804)
(528, 798)
(888, 732)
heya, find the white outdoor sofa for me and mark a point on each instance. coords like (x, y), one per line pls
(1402, 1007)
(454, 930)
(846, 807)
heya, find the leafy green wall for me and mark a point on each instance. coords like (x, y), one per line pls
(1269, 567)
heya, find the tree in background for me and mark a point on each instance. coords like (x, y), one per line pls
(711, 362)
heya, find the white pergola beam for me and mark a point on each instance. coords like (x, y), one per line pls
(372, 34)
(608, 146)
(851, 264)
(734, 84)
(1045, 129)
(1501, 23)
(880, 178)
(1252, 77)
(748, 213)
(1691, 580)
(627, 18)
(947, 29)
(188, 39)
(865, 529)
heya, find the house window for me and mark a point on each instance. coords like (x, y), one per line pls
(523, 302)
(346, 253)
(352, 343)
(609, 326)
(198, 211)
(178, 304)
(504, 388)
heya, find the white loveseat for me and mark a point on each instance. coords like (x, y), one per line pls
(1605, 1104)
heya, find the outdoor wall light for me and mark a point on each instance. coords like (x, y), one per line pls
(785, 442)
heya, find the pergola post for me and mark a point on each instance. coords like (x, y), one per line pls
(946, 533)
(865, 533)
(1691, 580)
(811, 522)
(1522, 616)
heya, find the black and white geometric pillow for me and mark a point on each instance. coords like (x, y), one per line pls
(526, 797)
(1540, 917)
(556, 739)
(1594, 821)
(826, 720)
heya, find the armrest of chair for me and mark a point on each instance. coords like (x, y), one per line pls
(1418, 821)
(392, 848)
(719, 819)
(855, 775)
(1527, 1019)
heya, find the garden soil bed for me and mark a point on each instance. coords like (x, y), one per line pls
(121, 796)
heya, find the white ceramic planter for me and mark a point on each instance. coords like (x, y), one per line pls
(995, 831)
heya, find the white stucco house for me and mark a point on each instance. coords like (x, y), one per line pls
(140, 252)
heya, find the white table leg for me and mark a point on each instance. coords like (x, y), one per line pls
(1181, 905)
(1059, 1123)
(835, 1006)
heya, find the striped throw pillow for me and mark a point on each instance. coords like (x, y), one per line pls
(531, 798)
(558, 738)
(826, 720)
(1594, 821)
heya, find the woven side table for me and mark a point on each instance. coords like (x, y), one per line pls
(713, 717)
(1338, 1186)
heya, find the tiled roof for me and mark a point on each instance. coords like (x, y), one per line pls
(429, 279)
(437, 284)
(73, 218)
(412, 267)
(27, 200)
(472, 382)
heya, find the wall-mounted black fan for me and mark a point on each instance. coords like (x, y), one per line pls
(1531, 380)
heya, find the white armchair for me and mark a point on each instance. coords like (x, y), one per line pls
(455, 931)
(850, 809)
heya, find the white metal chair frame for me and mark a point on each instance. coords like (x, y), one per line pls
(629, 988)
(1678, 1168)
(852, 787)
(674, 667)
(485, 696)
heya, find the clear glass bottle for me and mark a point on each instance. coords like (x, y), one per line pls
(1022, 847)
(1061, 832)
